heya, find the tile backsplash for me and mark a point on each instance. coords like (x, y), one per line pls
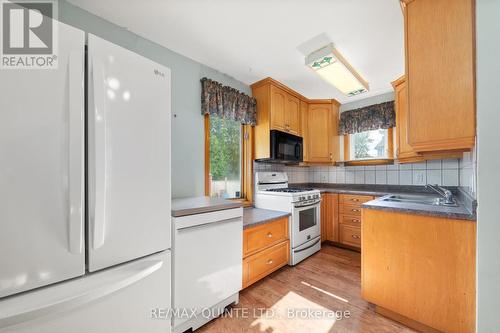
(467, 172)
(448, 172)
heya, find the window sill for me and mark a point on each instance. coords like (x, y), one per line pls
(244, 202)
(384, 161)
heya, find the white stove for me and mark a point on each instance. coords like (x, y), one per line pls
(272, 192)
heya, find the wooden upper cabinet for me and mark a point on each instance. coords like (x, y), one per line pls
(285, 111)
(304, 109)
(405, 152)
(292, 115)
(439, 42)
(321, 135)
(278, 109)
(281, 108)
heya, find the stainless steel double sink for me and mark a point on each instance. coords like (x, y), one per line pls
(421, 199)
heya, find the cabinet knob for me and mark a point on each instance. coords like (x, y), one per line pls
(269, 235)
(355, 199)
(270, 262)
(355, 210)
(355, 236)
(355, 220)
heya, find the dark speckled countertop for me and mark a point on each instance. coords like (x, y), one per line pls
(255, 216)
(466, 209)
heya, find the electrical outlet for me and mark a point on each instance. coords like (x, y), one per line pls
(324, 178)
(419, 177)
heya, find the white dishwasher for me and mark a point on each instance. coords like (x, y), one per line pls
(207, 266)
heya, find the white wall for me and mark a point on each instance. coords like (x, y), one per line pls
(488, 165)
(368, 101)
(187, 125)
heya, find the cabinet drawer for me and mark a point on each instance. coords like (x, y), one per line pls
(263, 263)
(354, 200)
(264, 235)
(350, 210)
(350, 235)
(350, 219)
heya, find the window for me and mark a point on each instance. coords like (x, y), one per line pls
(369, 145)
(228, 158)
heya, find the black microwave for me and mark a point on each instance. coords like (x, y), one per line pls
(285, 148)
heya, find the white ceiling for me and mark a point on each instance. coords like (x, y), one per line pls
(253, 39)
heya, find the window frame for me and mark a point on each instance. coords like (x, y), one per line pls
(247, 151)
(371, 161)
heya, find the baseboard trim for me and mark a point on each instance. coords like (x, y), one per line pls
(417, 326)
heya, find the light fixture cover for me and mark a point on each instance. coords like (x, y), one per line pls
(328, 63)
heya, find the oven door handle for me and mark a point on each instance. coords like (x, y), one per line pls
(307, 248)
(313, 204)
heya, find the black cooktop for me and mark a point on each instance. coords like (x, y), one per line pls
(289, 189)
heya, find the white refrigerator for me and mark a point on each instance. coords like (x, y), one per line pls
(85, 199)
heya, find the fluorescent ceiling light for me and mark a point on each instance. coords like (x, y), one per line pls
(328, 63)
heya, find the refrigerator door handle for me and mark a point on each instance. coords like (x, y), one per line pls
(99, 150)
(75, 160)
(65, 296)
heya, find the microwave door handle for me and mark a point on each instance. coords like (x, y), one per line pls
(297, 151)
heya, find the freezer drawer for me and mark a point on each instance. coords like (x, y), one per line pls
(207, 259)
(121, 299)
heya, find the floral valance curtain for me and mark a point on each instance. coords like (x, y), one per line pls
(227, 102)
(368, 118)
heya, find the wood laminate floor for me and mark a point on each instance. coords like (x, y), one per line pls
(321, 294)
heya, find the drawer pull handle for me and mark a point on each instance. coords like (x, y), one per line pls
(355, 236)
(354, 199)
(355, 220)
(355, 210)
(270, 262)
(269, 235)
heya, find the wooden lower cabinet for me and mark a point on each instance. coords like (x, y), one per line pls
(350, 235)
(329, 217)
(350, 219)
(262, 236)
(265, 262)
(341, 218)
(420, 270)
(266, 248)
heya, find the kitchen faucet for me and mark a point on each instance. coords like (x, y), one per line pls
(446, 194)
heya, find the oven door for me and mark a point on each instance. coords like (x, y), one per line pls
(305, 223)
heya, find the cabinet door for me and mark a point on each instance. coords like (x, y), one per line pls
(329, 217)
(292, 115)
(324, 216)
(320, 133)
(304, 109)
(350, 235)
(405, 152)
(278, 102)
(440, 74)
